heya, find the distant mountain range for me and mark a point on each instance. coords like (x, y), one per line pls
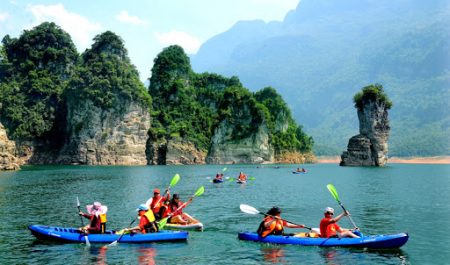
(327, 50)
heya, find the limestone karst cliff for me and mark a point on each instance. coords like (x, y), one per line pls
(8, 159)
(370, 146)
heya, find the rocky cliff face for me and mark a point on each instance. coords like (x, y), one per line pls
(8, 159)
(254, 149)
(174, 152)
(370, 147)
(115, 136)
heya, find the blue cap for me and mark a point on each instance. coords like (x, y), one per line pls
(142, 207)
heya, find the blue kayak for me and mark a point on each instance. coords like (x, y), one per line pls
(299, 172)
(376, 242)
(73, 235)
(217, 180)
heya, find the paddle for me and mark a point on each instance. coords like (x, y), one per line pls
(120, 237)
(173, 182)
(252, 210)
(163, 221)
(82, 223)
(335, 195)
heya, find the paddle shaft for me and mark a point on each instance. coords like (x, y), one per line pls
(286, 220)
(79, 210)
(120, 237)
(349, 217)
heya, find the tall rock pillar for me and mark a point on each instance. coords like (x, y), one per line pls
(370, 146)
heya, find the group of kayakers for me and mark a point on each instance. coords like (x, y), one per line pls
(156, 208)
(241, 177)
(273, 224)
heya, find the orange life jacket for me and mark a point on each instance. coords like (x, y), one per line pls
(275, 227)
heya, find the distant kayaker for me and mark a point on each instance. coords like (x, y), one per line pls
(176, 211)
(330, 228)
(146, 222)
(155, 202)
(242, 177)
(273, 225)
(97, 218)
(219, 176)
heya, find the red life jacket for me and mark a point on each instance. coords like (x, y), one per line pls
(156, 204)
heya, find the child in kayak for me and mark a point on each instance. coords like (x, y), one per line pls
(176, 211)
(97, 218)
(273, 225)
(330, 228)
(219, 177)
(146, 222)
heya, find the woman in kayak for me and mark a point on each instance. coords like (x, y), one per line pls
(273, 224)
(330, 228)
(155, 202)
(146, 222)
(219, 177)
(97, 218)
(176, 211)
(242, 177)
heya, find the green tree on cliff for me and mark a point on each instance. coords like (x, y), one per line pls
(373, 93)
(106, 74)
(286, 134)
(34, 71)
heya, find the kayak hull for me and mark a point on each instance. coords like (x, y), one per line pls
(217, 180)
(299, 172)
(375, 242)
(72, 235)
(241, 182)
(197, 226)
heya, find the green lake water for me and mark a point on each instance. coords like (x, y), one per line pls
(397, 198)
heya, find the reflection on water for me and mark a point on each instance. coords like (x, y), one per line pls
(146, 256)
(273, 254)
(99, 254)
(341, 256)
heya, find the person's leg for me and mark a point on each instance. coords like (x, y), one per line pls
(347, 233)
(178, 219)
(190, 219)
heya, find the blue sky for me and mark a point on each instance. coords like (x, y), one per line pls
(146, 26)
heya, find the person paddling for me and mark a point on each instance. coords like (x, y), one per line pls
(146, 222)
(273, 225)
(242, 177)
(219, 176)
(155, 202)
(176, 210)
(330, 228)
(97, 218)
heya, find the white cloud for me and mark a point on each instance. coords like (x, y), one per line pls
(3, 16)
(80, 28)
(189, 43)
(124, 17)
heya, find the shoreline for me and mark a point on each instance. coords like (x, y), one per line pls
(399, 160)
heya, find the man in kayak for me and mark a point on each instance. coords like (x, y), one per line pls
(176, 211)
(146, 222)
(242, 177)
(155, 202)
(330, 228)
(273, 225)
(97, 218)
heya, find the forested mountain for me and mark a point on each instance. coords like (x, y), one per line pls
(325, 51)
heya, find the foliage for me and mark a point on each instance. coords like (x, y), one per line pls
(106, 75)
(290, 139)
(38, 66)
(371, 93)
